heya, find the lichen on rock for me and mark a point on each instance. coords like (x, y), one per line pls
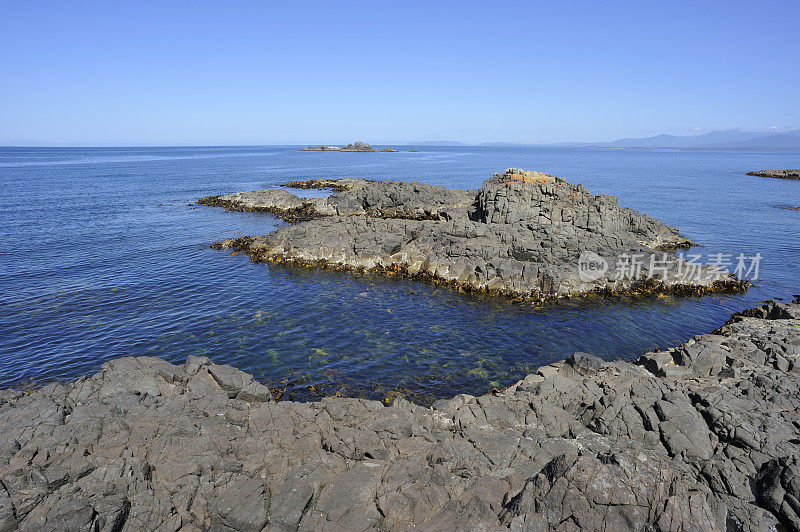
(517, 175)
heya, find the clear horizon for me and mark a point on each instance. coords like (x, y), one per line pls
(99, 74)
(443, 143)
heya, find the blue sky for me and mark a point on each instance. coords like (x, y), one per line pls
(133, 73)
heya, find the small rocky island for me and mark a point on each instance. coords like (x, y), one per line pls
(703, 436)
(780, 174)
(524, 234)
(355, 146)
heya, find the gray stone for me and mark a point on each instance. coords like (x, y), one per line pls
(242, 506)
(585, 363)
(778, 489)
(146, 445)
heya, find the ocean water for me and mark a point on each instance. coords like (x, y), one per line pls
(105, 255)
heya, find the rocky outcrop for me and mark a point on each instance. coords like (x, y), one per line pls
(353, 197)
(359, 146)
(388, 150)
(523, 234)
(276, 201)
(781, 174)
(703, 436)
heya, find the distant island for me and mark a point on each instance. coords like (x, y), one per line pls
(357, 146)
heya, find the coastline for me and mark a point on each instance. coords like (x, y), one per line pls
(677, 434)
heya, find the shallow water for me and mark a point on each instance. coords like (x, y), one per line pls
(105, 255)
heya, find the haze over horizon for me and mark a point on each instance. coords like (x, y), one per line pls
(203, 73)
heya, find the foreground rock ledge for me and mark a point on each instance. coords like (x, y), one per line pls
(703, 436)
(524, 234)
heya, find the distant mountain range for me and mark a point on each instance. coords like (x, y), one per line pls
(440, 143)
(732, 139)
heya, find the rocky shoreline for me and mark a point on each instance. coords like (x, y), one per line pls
(780, 174)
(523, 235)
(703, 436)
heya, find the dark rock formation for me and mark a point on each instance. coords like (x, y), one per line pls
(354, 197)
(358, 146)
(276, 201)
(273, 200)
(778, 489)
(704, 436)
(389, 150)
(781, 174)
(523, 234)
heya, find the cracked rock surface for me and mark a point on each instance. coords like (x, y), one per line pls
(704, 436)
(523, 234)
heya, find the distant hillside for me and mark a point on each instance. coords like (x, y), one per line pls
(438, 143)
(532, 144)
(730, 139)
(777, 140)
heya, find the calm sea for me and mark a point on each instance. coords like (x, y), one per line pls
(105, 255)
